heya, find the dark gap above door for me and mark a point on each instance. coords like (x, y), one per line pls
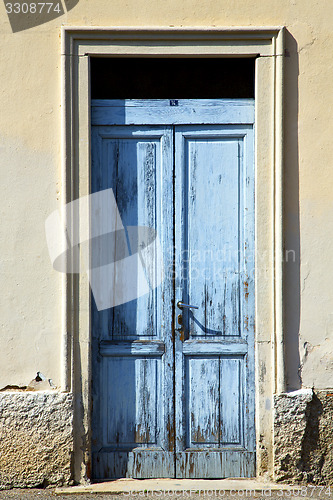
(168, 78)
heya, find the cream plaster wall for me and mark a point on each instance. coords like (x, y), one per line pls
(30, 173)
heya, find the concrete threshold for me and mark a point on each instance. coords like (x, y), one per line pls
(127, 486)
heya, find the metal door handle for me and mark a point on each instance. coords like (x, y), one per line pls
(181, 305)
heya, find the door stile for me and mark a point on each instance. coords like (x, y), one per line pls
(180, 293)
(167, 293)
(247, 256)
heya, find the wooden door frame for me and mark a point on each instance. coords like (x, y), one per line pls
(267, 46)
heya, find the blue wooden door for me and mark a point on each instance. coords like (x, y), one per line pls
(214, 348)
(172, 385)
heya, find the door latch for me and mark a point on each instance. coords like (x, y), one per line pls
(181, 329)
(181, 305)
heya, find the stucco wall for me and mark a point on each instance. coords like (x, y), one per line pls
(30, 141)
(31, 184)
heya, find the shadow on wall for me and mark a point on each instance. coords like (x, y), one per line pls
(292, 298)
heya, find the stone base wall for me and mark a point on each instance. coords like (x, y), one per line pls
(36, 439)
(303, 437)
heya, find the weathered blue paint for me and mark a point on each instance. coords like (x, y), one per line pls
(160, 112)
(132, 351)
(214, 224)
(170, 399)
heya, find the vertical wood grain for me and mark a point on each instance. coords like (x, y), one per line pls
(167, 412)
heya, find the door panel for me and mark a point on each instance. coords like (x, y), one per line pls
(202, 402)
(212, 229)
(132, 342)
(173, 388)
(231, 401)
(213, 407)
(214, 345)
(137, 422)
(129, 162)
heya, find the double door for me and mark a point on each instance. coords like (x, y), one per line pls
(173, 367)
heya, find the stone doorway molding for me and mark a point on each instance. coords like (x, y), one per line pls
(266, 44)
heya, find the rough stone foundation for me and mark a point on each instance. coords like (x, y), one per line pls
(303, 437)
(36, 439)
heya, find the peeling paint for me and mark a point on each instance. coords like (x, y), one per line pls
(39, 383)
